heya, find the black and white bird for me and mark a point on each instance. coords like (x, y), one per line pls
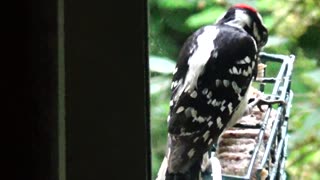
(215, 69)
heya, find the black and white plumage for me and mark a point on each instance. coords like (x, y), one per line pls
(215, 68)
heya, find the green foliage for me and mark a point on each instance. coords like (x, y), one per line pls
(205, 17)
(293, 29)
(177, 4)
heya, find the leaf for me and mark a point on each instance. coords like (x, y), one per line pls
(159, 84)
(205, 17)
(312, 157)
(177, 4)
(266, 5)
(309, 128)
(276, 41)
(161, 64)
(175, 20)
(312, 78)
(268, 21)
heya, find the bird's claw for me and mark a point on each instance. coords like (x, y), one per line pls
(259, 102)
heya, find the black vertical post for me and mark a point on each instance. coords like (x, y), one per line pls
(106, 92)
(84, 90)
(40, 83)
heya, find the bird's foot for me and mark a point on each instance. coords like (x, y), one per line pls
(260, 101)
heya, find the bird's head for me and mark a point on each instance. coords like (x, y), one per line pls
(247, 18)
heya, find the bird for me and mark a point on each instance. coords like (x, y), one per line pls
(209, 91)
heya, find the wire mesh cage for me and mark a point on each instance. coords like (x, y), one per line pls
(267, 160)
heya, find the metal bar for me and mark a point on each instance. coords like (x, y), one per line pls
(289, 105)
(260, 140)
(271, 138)
(276, 163)
(279, 151)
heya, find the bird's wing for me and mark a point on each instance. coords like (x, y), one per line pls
(213, 64)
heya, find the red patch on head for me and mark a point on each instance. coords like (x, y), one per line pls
(245, 6)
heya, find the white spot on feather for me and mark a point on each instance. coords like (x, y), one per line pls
(234, 69)
(184, 133)
(219, 123)
(235, 87)
(209, 95)
(247, 59)
(210, 123)
(200, 119)
(222, 108)
(230, 108)
(216, 103)
(194, 94)
(224, 101)
(218, 82)
(194, 113)
(195, 139)
(213, 102)
(253, 64)
(180, 109)
(215, 54)
(210, 141)
(191, 153)
(226, 83)
(249, 70)
(205, 91)
(242, 61)
(206, 135)
(171, 103)
(245, 73)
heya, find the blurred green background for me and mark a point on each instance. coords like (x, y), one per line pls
(294, 28)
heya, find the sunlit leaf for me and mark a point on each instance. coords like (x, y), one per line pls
(312, 78)
(265, 5)
(268, 21)
(309, 127)
(177, 4)
(276, 41)
(205, 17)
(175, 20)
(161, 64)
(312, 157)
